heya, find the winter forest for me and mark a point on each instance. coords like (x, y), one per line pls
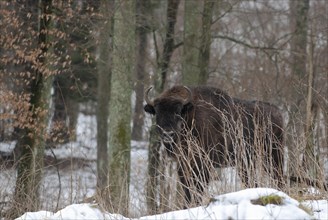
(73, 76)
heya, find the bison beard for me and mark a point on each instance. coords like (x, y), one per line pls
(203, 128)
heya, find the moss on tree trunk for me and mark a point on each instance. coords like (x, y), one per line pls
(120, 105)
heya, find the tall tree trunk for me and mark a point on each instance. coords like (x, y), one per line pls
(154, 141)
(141, 34)
(310, 161)
(104, 67)
(191, 41)
(120, 104)
(205, 41)
(299, 17)
(32, 139)
(299, 20)
(197, 41)
(169, 46)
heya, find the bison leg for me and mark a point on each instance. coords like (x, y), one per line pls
(193, 183)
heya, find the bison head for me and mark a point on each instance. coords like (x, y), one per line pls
(170, 109)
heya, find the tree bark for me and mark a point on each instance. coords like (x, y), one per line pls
(205, 41)
(191, 41)
(141, 34)
(31, 142)
(104, 68)
(197, 41)
(120, 105)
(311, 163)
(169, 46)
(154, 141)
(299, 17)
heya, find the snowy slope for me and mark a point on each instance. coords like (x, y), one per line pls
(236, 205)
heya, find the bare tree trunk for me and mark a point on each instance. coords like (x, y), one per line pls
(299, 17)
(311, 163)
(32, 139)
(120, 105)
(169, 46)
(197, 41)
(154, 143)
(72, 113)
(191, 43)
(104, 67)
(141, 34)
(153, 171)
(205, 41)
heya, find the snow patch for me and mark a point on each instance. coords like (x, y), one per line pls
(236, 205)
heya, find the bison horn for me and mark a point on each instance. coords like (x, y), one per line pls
(147, 98)
(188, 99)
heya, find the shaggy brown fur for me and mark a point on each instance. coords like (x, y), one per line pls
(203, 127)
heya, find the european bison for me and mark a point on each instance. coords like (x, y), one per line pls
(203, 128)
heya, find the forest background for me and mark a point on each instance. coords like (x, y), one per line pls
(59, 59)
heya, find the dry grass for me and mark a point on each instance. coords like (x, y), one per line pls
(255, 161)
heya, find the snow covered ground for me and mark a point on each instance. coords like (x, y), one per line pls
(243, 204)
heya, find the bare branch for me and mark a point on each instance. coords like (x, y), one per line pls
(244, 43)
